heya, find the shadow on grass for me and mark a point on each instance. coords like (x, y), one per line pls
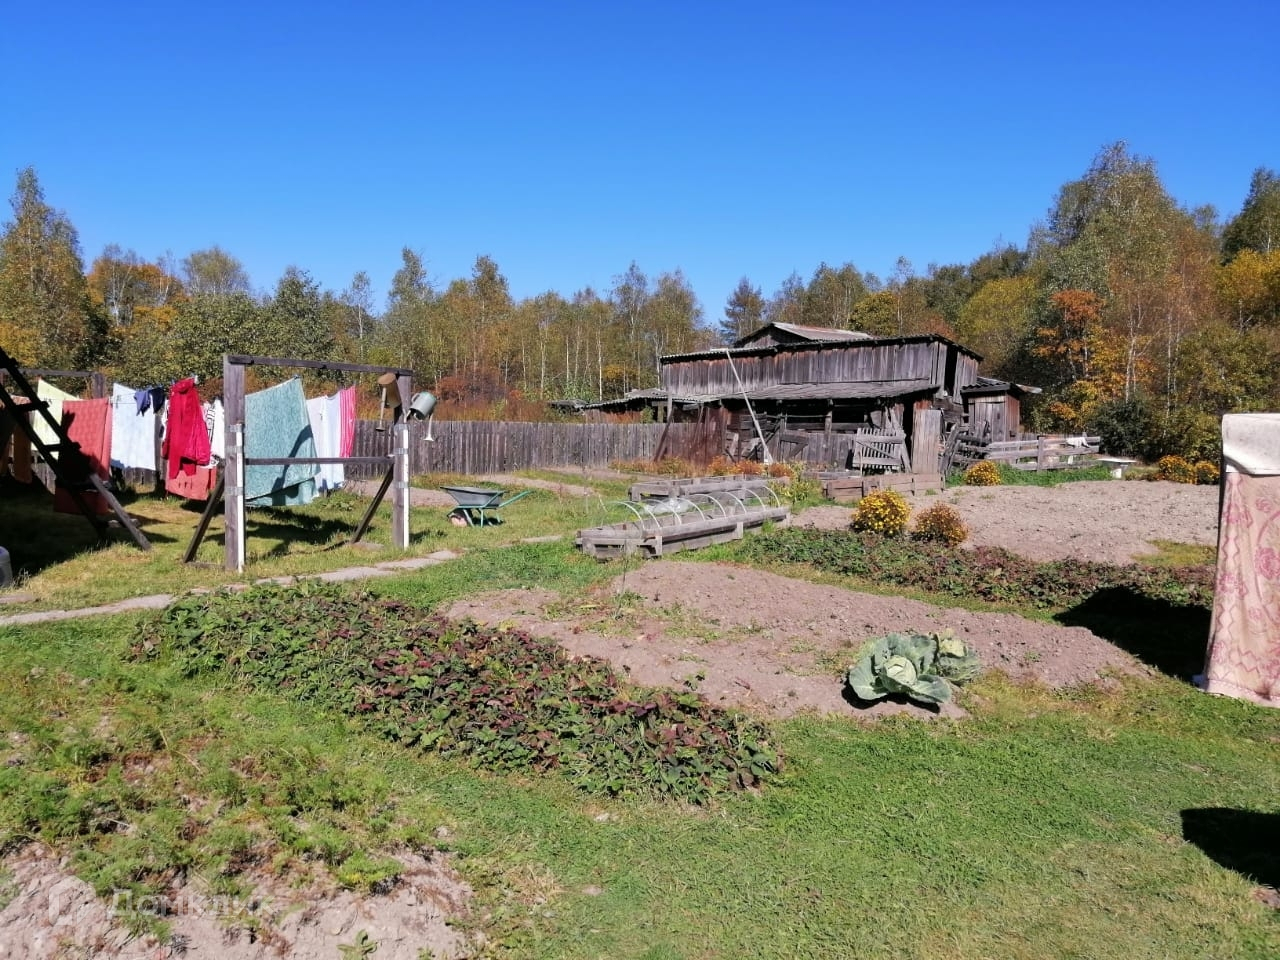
(1167, 636)
(1245, 841)
(38, 537)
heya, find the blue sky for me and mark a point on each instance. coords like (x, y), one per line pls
(566, 140)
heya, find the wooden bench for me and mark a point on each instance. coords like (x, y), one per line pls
(1117, 465)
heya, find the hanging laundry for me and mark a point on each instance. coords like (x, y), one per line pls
(186, 440)
(194, 486)
(143, 399)
(217, 419)
(325, 416)
(133, 433)
(276, 425)
(347, 399)
(87, 423)
(55, 398)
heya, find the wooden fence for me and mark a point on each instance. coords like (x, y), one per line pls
(474, 447)
(1036, 453)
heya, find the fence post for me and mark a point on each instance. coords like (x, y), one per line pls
(400, 487)
(233, 499)
(1041, 455)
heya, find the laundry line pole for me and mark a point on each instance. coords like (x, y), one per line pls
(399, 467)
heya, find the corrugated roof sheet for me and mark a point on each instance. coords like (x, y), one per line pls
(808, 333)
(772, 348)
(834, 390)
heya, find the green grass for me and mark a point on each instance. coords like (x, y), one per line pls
(1044, 825)
(59, 563)
(1173, 554)
(1039, 478)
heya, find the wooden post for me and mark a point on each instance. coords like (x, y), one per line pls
(233, 499)
(1042, 457)
(400, 487)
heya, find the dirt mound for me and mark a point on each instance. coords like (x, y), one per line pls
(49, 913)
(753, 639)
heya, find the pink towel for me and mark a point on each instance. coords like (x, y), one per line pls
(347, 437)
(88, 423)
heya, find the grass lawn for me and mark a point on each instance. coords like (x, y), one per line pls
(1120, 822)
(59, 563)
(1129, 822)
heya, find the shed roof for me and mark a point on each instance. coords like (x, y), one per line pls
(802, 332)
(831, 390)
(989, 386)
(775, 348)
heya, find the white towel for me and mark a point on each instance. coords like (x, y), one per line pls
(133, 434)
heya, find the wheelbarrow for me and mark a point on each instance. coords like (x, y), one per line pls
(477, 506)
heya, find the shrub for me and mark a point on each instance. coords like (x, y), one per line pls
(942, 523)
(749, 468)
(779, 470)
(987, 573)
(720, 467)
(1207, 473)
(884, 512)
(1175, 469)
(984, 473)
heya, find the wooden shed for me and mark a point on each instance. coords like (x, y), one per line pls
(994, 408)
(811, 397)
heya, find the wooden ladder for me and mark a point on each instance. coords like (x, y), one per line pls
(69, 465)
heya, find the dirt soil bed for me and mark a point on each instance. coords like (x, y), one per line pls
(1111, 521)
(779, 645)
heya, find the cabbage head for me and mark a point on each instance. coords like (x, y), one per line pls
(920, 665)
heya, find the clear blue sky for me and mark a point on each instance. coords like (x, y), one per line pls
(567, 139)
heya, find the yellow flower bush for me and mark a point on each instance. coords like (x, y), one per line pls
(1207, 473)
(1175, 469)
(940, 522)
(885, 512)
(984, 473)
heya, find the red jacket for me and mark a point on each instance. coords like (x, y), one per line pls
(186, 437)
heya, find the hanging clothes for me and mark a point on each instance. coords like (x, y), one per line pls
(215, 417)
(276, 425)
(347, 404)
(87, 423)
(193, 486)
(1243, 659)
(55, 398)
(133, 433)
(325, 414)
(186, 439)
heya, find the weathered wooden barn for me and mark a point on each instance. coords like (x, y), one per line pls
(816, 394)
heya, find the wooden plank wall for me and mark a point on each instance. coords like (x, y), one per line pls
(476, 447)
(926, 440)
(481, 446)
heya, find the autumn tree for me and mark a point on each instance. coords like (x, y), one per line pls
(1257, 226)
(831, 296)
(743, 313)
(1248, 289)
(46, 315)
(997, 321)
(214, 272)
(787, 303)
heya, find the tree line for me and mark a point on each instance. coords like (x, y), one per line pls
(1140, 318)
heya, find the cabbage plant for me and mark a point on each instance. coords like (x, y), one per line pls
(923, 666)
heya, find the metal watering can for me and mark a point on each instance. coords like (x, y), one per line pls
(420, 408)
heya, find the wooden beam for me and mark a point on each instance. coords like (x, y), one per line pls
(209, 509)
(363, 525)
(246, 360)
